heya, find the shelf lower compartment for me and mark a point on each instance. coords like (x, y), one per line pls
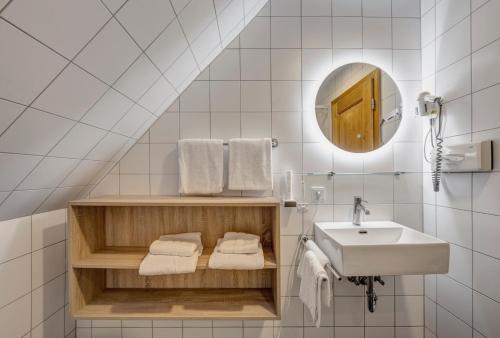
(180, 304)
(130, 258)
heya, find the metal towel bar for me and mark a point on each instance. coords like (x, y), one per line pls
(329, 266)
(274, 142)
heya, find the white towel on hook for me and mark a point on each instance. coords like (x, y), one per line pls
(201, 166)
(314, 285)
(250, 166)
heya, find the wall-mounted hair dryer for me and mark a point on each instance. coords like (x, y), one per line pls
(430, 106)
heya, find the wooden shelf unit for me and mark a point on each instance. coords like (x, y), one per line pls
(109, 237)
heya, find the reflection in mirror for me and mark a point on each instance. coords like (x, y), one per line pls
(358, 107)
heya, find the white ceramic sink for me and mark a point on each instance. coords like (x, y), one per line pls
(381, 248)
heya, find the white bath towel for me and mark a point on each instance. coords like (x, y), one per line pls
(250, 166)
(239, 243)
(200, 166)
(153, 265)
(223, 261)
(184, 244)
(314, 286)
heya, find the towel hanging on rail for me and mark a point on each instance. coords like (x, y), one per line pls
(250, 166)
(201, 166)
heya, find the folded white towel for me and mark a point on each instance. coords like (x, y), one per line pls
(200, 166)
(250, 165)
(223, 261)
(239, 243)
(153, 265)
(184, 244)
(314, 281)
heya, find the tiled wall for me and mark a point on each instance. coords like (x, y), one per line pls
(33, 286)
(262, 85)
(82, 80)
(460, 53)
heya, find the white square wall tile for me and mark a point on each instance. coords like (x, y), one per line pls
(10, 111)
(316, 7)
(409, 310)
(225, 125)
(165, 129)
(286, 96)
(286, 64)
(455, 297)
(161, 93)
(109, 54)
(256, 96)
(317, 32)
(485, 234)
(285, 7)
(48, 228)
(196, 97)
(347, 32)
(34, 132)
(406, 8)
(346, 7)
(144, 21)
(407, 64)
(136, 161)
(349, 311)
(194, 125)
(108, 110)
(455, 226)
(224, 96)
(78, 141)
(406, 33)
(138, 78)
(377, 33)
(195, 18)
(48, 173)
(485, 315)
(377, 8)
(14, 169)
(163, 159)
(255, 64)
(15, 318)
(46, 300)
(285, 32)
(168, 46)
(27, 67)
(64, 26)
(15, 279)
(485, 66)
(257, 34)
(226, 66)
(485, 26)
(71, 94)
(48, 263)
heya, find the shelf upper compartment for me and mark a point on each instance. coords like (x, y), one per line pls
(134, 200)
(131, 257)
(180, 304)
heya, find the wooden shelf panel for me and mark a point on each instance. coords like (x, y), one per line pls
(131, 257)
(131, 200)
(180, 304)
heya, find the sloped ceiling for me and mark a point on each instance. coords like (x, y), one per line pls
(80, 81)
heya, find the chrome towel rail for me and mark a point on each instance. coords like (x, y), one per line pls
(274, 142)
(329, 266)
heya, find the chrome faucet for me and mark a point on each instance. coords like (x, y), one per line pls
(358, 207)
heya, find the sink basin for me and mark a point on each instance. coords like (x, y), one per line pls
(381, 248)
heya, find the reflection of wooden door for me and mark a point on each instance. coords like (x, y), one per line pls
(356, 115)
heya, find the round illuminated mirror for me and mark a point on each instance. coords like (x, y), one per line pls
(358, 107)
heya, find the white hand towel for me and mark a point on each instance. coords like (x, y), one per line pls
(154, 265)
(223, 261)
(200, 166)
(320, 255)
(239, 243)
(250, 166)
(314, 282)
(184, 244)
